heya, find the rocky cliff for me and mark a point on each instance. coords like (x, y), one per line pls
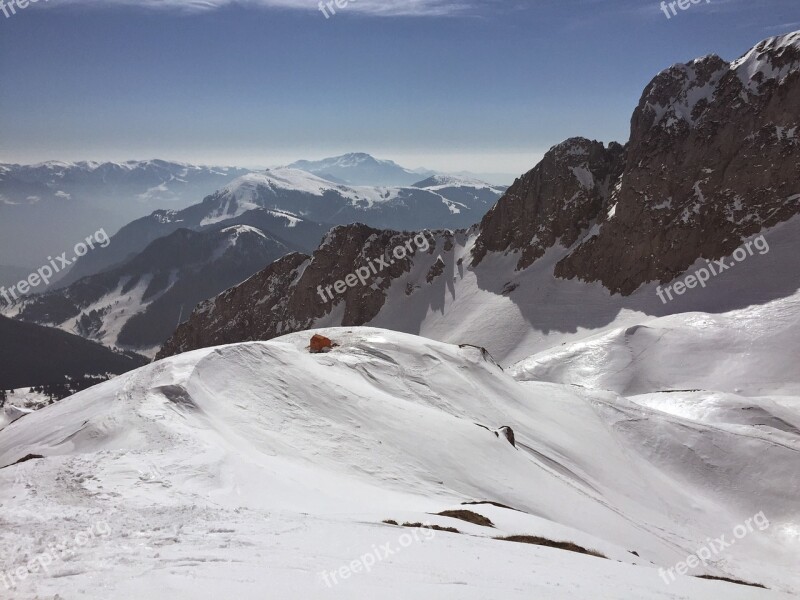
(713, 157)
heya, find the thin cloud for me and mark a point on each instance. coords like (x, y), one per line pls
(785, 27)
(377, 8)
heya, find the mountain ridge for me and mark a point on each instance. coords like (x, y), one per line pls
(555, 232)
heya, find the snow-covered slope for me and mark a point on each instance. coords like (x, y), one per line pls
(753, 351)
(440, 182)
(324, 201)
(21, 402)
(232, 470)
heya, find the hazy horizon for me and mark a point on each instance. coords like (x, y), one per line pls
(263, 83)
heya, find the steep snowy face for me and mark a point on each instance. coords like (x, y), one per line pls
(282, 464)
(771, 60)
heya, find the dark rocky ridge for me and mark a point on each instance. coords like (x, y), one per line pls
(285, 297)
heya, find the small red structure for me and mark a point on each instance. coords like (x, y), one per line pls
(320, 343)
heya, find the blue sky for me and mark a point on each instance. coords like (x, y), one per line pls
(447, 84)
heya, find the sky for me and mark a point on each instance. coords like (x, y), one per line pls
(480, 85)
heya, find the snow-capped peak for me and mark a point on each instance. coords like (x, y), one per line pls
(774, 58)
(360, 168)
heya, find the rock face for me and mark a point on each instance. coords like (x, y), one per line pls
(713, 157)
(554, 202)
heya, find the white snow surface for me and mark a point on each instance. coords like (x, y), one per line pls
(468, 304)
(246, 471)
(442, 182)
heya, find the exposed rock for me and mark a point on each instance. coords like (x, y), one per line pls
(712, 159)
(436, 270)
(508, 433)
(319, 343)
(553, 203)
(294, 291)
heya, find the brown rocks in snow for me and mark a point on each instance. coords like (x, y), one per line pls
(319, 343)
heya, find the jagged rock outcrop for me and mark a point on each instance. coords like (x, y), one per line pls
(553, 203)
(713, 158)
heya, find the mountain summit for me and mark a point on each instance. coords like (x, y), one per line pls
(359, 168)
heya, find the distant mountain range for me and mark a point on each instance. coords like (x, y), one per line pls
(583, 241)
(136, 290)
(86, 196)
(457, 203)
(296, 198)
(139, 303)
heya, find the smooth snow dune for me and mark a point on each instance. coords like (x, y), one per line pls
(249, 469)
(752, 351)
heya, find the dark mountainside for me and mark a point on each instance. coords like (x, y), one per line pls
(32, 355)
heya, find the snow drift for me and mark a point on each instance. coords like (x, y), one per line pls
(231, 470)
